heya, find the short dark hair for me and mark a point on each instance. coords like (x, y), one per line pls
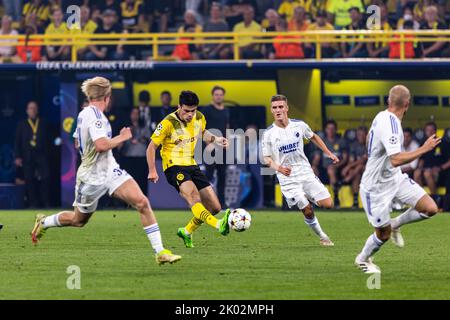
(218, 88)
(331, 121)
(431, 123)
(188, 98)
(409, 130)
(279, 97)
(166, 92)
(144, 96)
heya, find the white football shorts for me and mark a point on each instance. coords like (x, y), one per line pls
(304, 189)
(378, 205)
(87, 195)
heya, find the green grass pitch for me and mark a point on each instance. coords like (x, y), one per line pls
(278, 258)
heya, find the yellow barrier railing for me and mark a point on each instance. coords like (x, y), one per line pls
(155, 40)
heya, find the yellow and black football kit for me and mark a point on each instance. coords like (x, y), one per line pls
(178, 139)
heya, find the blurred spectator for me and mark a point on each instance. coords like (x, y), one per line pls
(408, 15)
(151, 10)
(270, 22)
(339, 12)
(317, 6)
(409, 145)
(29, 50)
(410, 46)
(103, 51)
(380, 49)
(287, 7)
(145, 118)
(286, 50)
(234, 10)
(354, 48)
(329, 49)
(87, 26)
(40, 9)
(166, 107)
(129, 17)
(247, 49)
(103, 5)
(133, 151)
(353, 171)
(339, 147)
(420, 8)
(298, 21)
(54, 49)
(6, 52)
(13, 9)
(185, 51)
(427, 172)
(218, 119)
(31, 150)
(432, 49)
(216, 23)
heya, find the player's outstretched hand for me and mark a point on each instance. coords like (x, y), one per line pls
(334, 158)
(284, 171)
(431, 143)
(153, 176)
(126, 134)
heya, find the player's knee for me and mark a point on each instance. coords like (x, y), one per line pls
(141, 203)
(326, 203)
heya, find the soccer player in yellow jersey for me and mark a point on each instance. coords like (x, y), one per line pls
(178, 134)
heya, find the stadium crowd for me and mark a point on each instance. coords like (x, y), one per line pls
(196, 16)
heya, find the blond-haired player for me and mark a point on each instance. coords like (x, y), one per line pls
(99, 173)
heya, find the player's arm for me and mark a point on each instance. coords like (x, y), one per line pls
(162, 131)
(322, 146)
(277, 167)
(208, 137)
(402, 158)
(104, 144)
(151, 154)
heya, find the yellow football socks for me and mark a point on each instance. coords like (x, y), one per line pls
(204, 215)
(193, 225)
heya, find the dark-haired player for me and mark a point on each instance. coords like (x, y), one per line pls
(177, 134)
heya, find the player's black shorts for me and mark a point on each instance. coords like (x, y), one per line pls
(176, 175)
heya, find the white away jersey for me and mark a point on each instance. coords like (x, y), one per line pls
(285, 147)
(92, 124)
(385, 139)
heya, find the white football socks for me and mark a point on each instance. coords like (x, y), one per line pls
(154, 235)
(409, 216)
(51, 221)
(315, 226)
(373, 244)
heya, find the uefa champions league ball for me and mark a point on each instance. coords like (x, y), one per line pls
(239, 220)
